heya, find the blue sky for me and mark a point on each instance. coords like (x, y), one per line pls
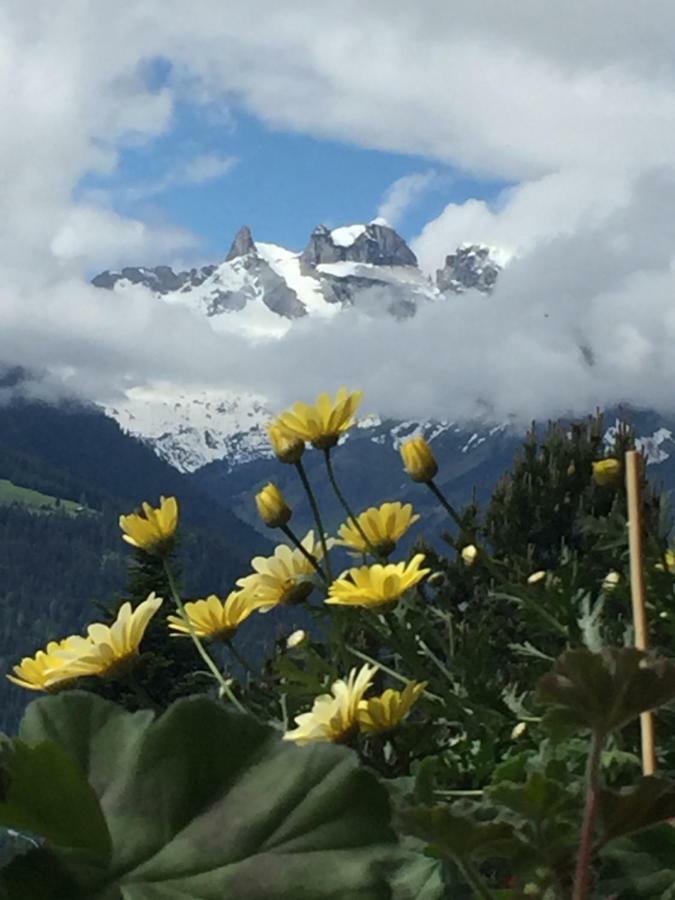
(282, 184)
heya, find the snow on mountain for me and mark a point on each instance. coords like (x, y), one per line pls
(259, 290)
(347, 234)
(191, 430)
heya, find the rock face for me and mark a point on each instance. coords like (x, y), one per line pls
(374, 244)
(161, 279)
(242, 244)
(262, 287)
(469, 267)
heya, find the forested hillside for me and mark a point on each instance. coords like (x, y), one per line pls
(58, 564)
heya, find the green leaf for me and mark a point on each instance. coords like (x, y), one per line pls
(621, 812)
(642, 866)
(457, 834)
(47, 794)
(207, 803)
(604, 691)
(537, 799)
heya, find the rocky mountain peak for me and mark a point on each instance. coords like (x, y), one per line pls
(374, 244)
(242, 244)
(470, 267)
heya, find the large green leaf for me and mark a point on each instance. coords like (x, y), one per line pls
(604, 691)
(206, 804)
(43, 785)
(642, 866)
(650, 801)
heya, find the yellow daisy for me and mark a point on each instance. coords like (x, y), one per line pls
(334, 716)
(607, 472)
(272, 507)
(378, 714)
(382, 526)
(45, 670)
(287, 448)
(154, 529)
(418, 459)
(284, 578)
(321, 424)
(107, 648)
(213, 618)
(378, 585)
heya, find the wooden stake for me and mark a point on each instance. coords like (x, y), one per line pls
(637, 587)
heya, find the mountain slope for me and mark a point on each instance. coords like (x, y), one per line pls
(261, 290)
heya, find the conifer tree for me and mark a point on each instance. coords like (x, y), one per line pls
(168, 667)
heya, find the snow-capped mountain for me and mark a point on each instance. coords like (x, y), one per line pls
(261, 289)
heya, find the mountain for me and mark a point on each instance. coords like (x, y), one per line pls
(369, 469)
(261, 289)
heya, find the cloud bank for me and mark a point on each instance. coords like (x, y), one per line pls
(575, 106)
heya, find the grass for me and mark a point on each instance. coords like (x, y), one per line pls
(11, 493)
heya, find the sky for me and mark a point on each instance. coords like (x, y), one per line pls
(148, 131)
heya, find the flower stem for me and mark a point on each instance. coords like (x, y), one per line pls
(582, 873)
(308, 556)
(474, 880)
(243, 662)
(212, 667)
(433, 487)
(317, 516)
(343, 502)
(391, 672)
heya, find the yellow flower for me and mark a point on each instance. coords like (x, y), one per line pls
(283, 578)
(418, 459)
(108, 648)
(334, 716)
(153, 530)
(518, 730)
(607, 472)
(213, 618)
(324, 422)
(382, 525)
(287, 448)
(378, 585)
(536, 577)
(611, 581)
(377, 714)
(469, 554)
(44, 670)
(670, 562)
(271, 506)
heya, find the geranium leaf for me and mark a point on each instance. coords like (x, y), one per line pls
(207, 803)
(621, 812)
(604, 691)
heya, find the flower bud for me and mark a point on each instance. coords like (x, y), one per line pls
(536, 577)
(607, 472)
(469, 554)
(518, 730)
(272, 508)
(286, 447)
(418, 459)
(297, 639)
(611, 581)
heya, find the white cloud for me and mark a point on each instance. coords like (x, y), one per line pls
(198, 170)
(575, 106)
(403, 193)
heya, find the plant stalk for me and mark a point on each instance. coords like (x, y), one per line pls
(343, 502)
(317, 516)
(212, 667)
(433, 487)
(308, 556)
(584, 857)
